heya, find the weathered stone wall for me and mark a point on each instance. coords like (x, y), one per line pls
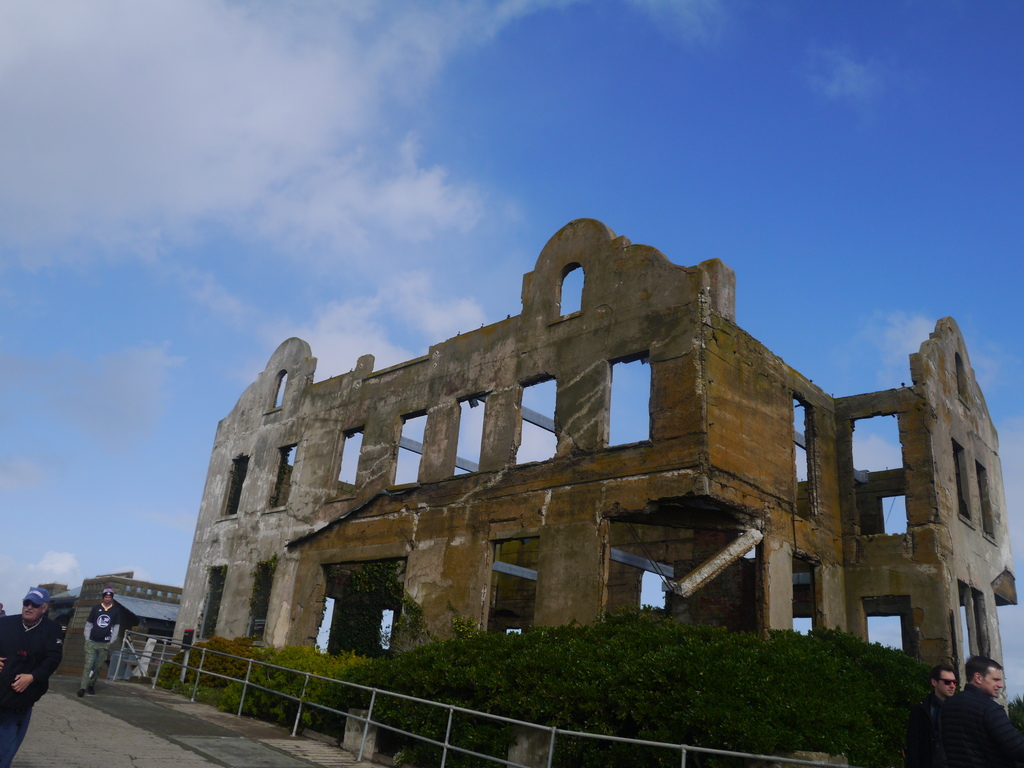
(719, 464)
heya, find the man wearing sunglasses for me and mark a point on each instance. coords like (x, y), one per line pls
(30, 651)
(924, 747)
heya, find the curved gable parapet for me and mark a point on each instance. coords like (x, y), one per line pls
(289, 371)
(619, 278)
(943, 367)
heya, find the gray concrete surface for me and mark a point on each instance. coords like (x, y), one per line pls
(126, 725)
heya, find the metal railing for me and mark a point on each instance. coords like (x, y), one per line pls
(152, 653)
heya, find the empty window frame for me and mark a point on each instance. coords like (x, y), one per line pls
(961, 380)
(513, 595)
(973, 621)
(804, 441)
(348, 461)
(987, 523)
(282, 382)
(214, 593)
(410, 448)
(471, 434)
(570, 292)
(894, 513)
(236, 479)
(890, 621)
(629, 419)
(538, 441)
(285, 470)
(960, 471)
(876, 444)
(804, 604)
(259, 602)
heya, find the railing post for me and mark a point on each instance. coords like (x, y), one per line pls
(447, 736)
(551, 747)
(682, 752)
(366, 725)
(245, 688)
(199, 673)
(298, 714)
(156, 675)
(117, 668)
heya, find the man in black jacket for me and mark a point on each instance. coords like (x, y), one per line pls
(976, 733)
(924, 749)
(30, 651)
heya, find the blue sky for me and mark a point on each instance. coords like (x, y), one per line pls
(186, 183)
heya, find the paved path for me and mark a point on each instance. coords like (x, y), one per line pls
(126, 725)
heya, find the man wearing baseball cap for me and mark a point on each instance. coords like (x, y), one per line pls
(30, 651)
(101, 630)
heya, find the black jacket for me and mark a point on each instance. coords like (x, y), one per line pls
(924, 749)
(976, 733)
(36, 651)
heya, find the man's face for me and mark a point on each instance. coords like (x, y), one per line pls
(945, 686)
(108, 598)
(990, 683)
(32, 613)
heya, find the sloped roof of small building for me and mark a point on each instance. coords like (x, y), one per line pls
(149, 609)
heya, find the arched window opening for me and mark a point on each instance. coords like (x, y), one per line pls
(282, 380)
(570, 292)
(961, 378)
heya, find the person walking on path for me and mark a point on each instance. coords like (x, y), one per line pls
(924, 746)
(976, 733)
(30, 651)
(101, 630)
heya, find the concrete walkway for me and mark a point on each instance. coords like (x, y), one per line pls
(127, 725)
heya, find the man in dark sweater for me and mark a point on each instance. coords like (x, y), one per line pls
(976, 733)
(30, 651)
(924, 749)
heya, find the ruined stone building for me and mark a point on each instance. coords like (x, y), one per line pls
(711, 497)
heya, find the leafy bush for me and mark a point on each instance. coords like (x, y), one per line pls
(1015, 709)
(638, 675)
(267, 706)
(170, 674)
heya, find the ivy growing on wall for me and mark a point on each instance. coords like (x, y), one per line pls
(362, 593)
(259, 601)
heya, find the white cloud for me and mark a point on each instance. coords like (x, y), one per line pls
(17, 577)
(138, 122)
(407, 307)
(895, 336)
(691, 19)
(838, 75)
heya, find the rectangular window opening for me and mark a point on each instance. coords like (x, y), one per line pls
(362, 603)
(803, 595)
(348, 465)
(960, 470)
(283, 483)
(538, 442)
(987, 524)
(890, 622)
(259, 602)
(894, 513)
(471, 434)
(630, 413)
(239, 469)
(876, 444)
(410, 449)
(513, 584)
(214, 594)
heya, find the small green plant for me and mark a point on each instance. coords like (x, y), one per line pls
(1015, 709)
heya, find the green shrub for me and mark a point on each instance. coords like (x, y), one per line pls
(267, 706)
(638, 675)
(170, 674)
